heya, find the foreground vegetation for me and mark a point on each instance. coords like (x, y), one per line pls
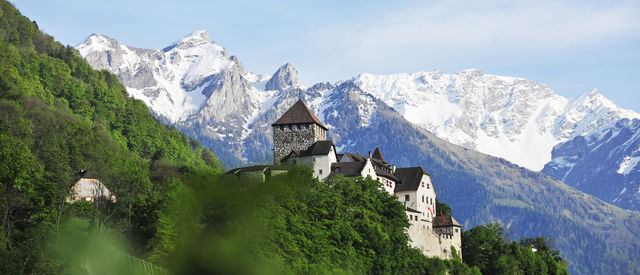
(58, 116)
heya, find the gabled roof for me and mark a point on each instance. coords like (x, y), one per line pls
(410, 178)
(378, 155)
(86, 174)
(355, 157)
(299, 113)
(381, 172)
(347, 169)
(447, 221)
(321, 147)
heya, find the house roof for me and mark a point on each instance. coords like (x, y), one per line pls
(321, 147)
(378, 155)
(410, 178)
(87, 174)
(355, 157)
(383, 173)
(447, 221)
(348, 169)
(299, 113)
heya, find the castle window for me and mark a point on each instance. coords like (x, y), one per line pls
(320, 171)
(407, 197)
(422, 198)
(337, 170)
(416, 217)
(410, 217)
(423, 184)
(456, 230)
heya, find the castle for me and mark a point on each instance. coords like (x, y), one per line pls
(299, 138)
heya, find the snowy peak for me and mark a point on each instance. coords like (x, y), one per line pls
(509, 117)
(174, 82)
(97, 42)
(196, 36)
(284, 78)
(194, 39)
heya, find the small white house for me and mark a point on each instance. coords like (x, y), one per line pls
(319, 156)
(88, 187)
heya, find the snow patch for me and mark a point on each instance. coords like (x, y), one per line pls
(628, 164)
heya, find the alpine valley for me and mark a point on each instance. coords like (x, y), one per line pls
(466, 129)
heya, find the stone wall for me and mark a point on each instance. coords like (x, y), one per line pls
(294, 137)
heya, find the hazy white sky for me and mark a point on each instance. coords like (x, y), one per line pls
(572, 46)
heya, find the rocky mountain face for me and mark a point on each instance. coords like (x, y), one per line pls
(231, 111)
(285, 77)
(605, 162)
(512, 118)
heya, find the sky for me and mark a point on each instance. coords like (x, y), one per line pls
(571, 46)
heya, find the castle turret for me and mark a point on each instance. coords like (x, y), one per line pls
(297, 129)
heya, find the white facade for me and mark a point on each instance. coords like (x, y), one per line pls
(320, 164)
(89, 189)
(389, 185)
(368, 170)
(423, 199)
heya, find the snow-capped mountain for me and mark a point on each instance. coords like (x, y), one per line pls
(174, 82)
(605, 162)
(196, 86)
(513, 118)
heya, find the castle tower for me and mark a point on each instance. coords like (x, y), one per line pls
(297, 129)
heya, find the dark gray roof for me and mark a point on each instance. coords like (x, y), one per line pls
(299, 113)
(409, 178)
(86, 174)
(446, 221)
(378, 165)
(348, 169)
(321, 147)
(378, 155)
(383, 173)
(356, 157)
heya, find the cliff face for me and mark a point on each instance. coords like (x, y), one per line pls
(606, 163)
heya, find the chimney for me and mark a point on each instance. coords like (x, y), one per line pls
(369, 153)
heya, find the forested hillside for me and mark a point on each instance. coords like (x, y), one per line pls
(57, 117)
